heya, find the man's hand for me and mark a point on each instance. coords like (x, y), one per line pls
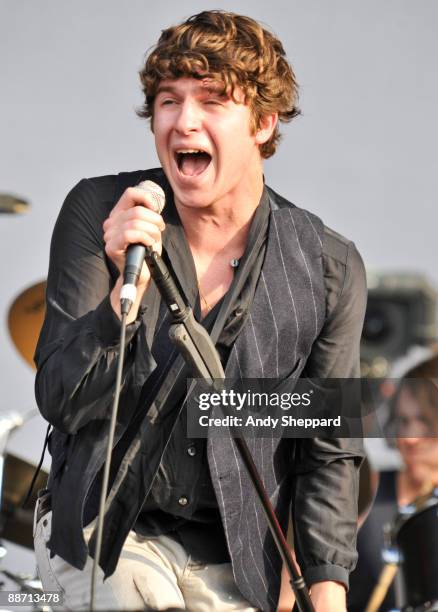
(132, 220)
(328, 596)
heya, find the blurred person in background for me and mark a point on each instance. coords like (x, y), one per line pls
(413, 426)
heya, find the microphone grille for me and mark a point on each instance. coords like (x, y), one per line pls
(156, 193)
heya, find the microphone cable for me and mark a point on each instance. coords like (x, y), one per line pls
(107, 464)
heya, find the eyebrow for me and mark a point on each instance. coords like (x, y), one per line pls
(211, 89)
(166, 88)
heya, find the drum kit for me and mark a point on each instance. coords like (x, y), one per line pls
(17, 508)
(414, 537)
(411, 551)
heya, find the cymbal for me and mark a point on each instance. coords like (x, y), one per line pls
(12, 204)
(25, 319)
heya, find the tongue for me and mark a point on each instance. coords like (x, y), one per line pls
(193, 164)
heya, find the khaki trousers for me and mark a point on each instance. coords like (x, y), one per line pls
(152, 573)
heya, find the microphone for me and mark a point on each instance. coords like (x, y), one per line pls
(135, 253)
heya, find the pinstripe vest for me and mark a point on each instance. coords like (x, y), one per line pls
(285, 318)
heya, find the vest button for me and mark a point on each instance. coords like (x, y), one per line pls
(191, 451)
(183, 501)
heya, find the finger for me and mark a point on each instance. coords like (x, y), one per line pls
(143, 226)
(134, 214)
(106, 224)
(145, 214)
(120, 217)
(114, 230)
(134, 196)
(119, 244)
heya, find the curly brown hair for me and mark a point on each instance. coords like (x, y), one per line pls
(233, 50)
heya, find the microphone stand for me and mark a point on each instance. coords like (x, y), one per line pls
(199, 352)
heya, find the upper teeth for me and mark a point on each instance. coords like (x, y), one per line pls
(190, 151)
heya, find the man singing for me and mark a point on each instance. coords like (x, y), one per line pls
(282, 296)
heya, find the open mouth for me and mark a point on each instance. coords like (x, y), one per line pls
(192, 162)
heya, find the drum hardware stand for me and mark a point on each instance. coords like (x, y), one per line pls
(27, 584)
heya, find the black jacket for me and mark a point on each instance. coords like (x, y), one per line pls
(302, 328)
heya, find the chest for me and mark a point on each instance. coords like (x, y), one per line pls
(214, 275)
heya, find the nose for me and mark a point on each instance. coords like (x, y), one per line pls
(189, 118)
(411, 442)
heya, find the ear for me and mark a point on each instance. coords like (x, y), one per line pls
(266, 128)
